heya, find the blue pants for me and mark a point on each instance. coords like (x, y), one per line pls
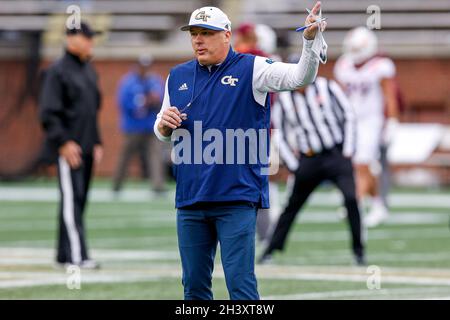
(198, 233)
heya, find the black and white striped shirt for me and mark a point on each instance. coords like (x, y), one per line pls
(317, 120)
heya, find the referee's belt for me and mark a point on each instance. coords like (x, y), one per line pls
(310, 153)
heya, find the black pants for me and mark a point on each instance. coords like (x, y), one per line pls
(73, 187)
(328, 165)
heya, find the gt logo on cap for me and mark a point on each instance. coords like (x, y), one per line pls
(209, 18)
(202, 16)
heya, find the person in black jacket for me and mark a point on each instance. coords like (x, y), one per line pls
(69, 105)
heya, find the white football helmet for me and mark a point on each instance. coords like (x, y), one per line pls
(267, 38)
(360, 44)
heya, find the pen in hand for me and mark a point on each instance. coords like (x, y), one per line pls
(308, 25)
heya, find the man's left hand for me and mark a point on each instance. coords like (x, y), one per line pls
(310, 32)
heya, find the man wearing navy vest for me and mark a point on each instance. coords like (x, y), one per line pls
(208, 102)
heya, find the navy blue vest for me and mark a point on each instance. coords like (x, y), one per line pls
(221, 98)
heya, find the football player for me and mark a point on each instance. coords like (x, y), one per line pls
(368, 78)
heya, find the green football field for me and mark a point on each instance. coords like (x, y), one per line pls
(134, 238)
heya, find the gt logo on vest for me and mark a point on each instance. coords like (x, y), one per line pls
(229, 80)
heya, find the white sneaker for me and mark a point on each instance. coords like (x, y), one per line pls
(85, 264)
(376, 217)
(89, 265)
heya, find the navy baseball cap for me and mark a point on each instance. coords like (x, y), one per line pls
(84, 29)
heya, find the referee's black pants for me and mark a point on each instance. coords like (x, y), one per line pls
(328, 165)
(73, 187)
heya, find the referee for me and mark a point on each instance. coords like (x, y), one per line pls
(322, 123)
(69, 105)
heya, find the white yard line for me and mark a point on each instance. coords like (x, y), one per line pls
(154, 221)
(395, 218)
(20, 279)
(374, 258)
(333, 198)
(86, 278)
(372, 234)
(408, 200)
(298, 236)
(13, 257)
(35, 256)
(411, 276)
(362, 279)
(48, 194)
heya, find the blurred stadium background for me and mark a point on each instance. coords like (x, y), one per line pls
(134, 237)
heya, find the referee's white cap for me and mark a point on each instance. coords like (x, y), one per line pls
(210, 18)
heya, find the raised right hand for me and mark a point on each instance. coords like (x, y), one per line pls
(310, 32)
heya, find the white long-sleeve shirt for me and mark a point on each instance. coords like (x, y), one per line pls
(270, 76)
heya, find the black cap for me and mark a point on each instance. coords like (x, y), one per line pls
(84, 29)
